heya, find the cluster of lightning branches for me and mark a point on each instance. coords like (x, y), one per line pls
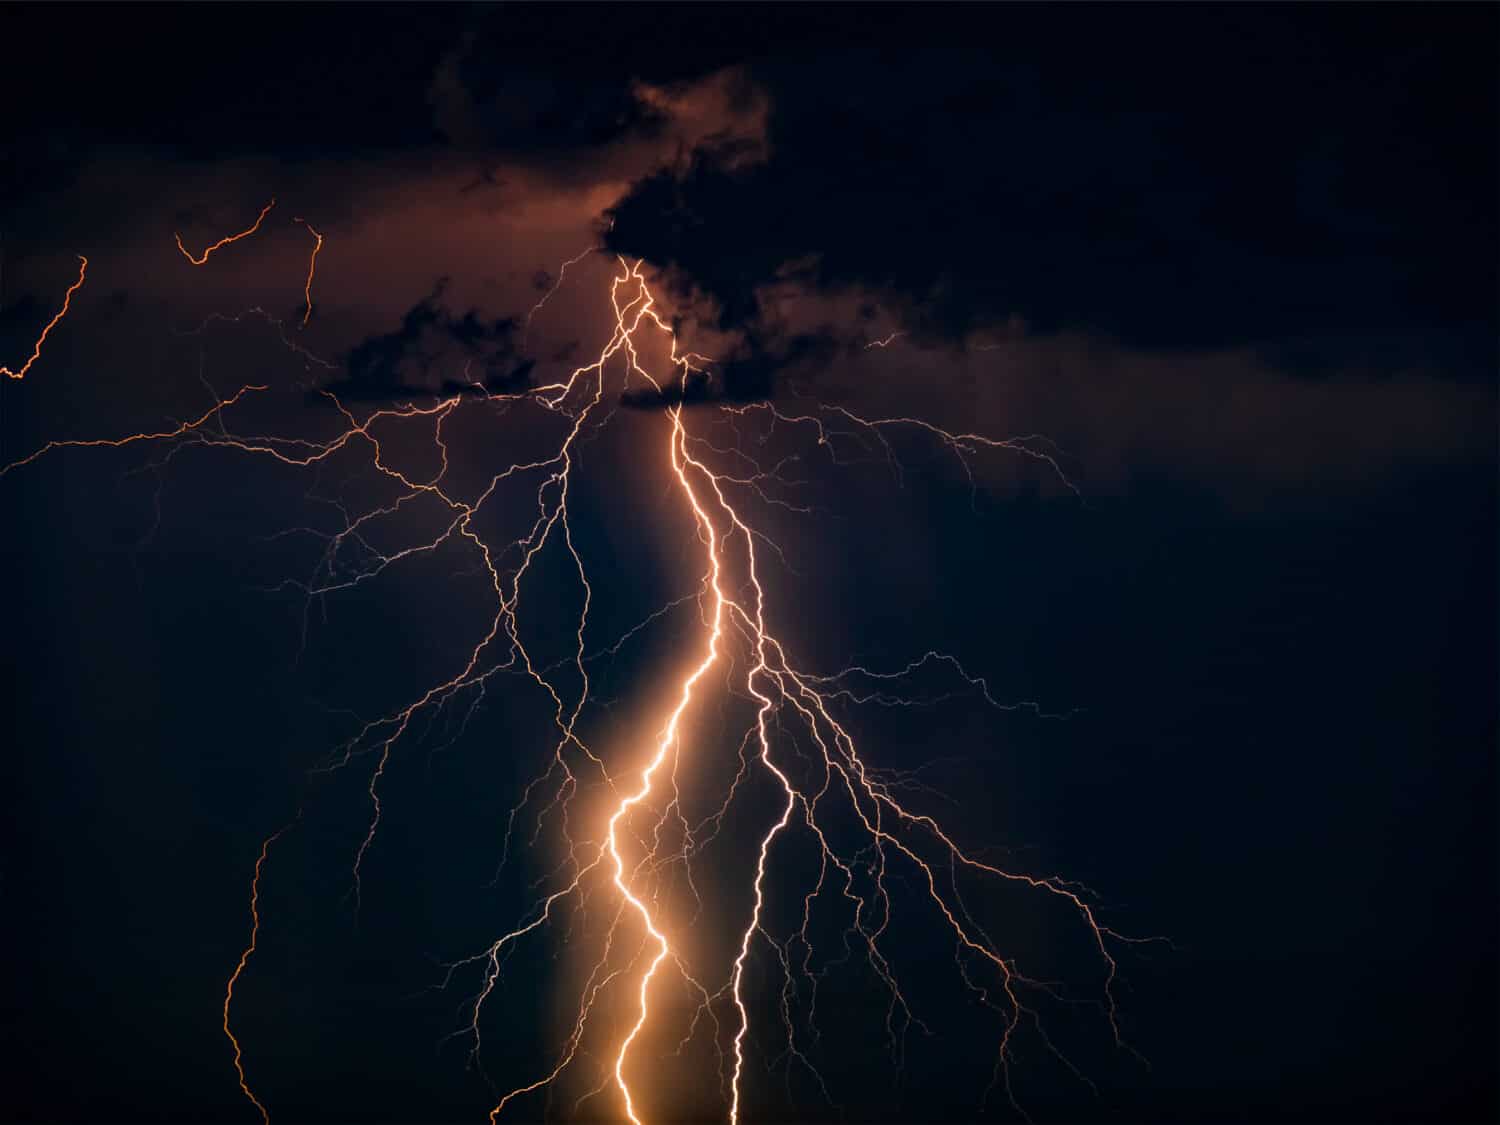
(850, 817)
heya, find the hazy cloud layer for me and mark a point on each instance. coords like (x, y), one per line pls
(1124, 253)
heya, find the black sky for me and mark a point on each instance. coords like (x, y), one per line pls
(1239, 260)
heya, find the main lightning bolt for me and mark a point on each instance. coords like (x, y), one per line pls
(820, 774)
(773, 683)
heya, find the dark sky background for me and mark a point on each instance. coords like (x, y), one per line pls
(1238, 261)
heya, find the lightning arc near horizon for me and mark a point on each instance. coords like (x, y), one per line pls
(638, 851)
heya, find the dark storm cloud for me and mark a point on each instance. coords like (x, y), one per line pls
(24, 311)
(506, 108)
(212, 83)
(406, 362)
(522, 81)
(1313, 184)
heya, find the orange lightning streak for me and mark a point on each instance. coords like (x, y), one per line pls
(820, 773)
(131, 439)
(36, 351)
(203, 257)
(556, 285)
(312, 265)
(239, 1068)
(668, 739)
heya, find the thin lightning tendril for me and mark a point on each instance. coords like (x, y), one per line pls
(202, 259)
(239, 969)
(562, 274)
(312, 265)
(36, 350)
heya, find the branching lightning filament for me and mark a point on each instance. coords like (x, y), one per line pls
(629, 859)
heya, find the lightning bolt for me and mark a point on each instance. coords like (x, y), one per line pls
(244, 960)
(562, 274)
(312, 265)
(796, 738)
(773, 683)
(36, 350)
(200, 259)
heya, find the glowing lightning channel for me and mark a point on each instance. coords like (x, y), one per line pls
(666, 742)
(239, 1068)
(312, 265)
(36, 351)
(864, 793)
(199, 259)
(771, 681)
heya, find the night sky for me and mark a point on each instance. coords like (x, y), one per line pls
(1237, 263)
